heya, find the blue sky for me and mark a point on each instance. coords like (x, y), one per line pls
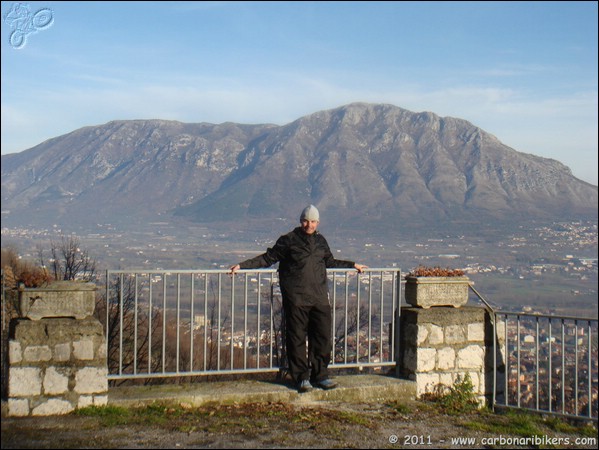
(525, 72)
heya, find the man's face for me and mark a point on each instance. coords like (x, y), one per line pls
(309, 226)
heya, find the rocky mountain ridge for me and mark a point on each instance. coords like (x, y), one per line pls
(361, 163)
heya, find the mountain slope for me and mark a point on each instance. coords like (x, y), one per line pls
(375, 161)
(362, 163)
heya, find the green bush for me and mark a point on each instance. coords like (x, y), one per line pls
(457, 399)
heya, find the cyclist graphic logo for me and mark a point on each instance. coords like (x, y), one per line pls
(23, 23)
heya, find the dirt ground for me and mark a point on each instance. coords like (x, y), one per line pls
(284, 425)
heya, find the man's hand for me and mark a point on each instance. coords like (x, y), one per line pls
(234, 269)
(360, 267)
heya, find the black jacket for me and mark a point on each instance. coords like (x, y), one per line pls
(302, 270)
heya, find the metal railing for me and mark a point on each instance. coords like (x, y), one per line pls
(550, 363)
(174, 323)
(544, 363)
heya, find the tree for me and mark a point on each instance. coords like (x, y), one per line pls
(68, 261)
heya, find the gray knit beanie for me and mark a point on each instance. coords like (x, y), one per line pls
(310, 213)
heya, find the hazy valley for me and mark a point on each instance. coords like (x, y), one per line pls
(546, 268)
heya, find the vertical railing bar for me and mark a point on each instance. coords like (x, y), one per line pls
(382, 304)
(576, 366)
(206, 276)
(392, 323)
(518, 358)
(507, 360)
(107, 333)
(218, 323)
(358, 319)
(537, 341)
(164, 323)
(245, 323)
(178, 321)
(150, 311)
(334, 321)
(191, 322)
(121, 311)
(548, 363)
(589, 376)
(493, 317)
(370, 317)
(231, 345)
(396, 300)
(258, 325)
(550, 370)
(346, 313)
(135, 297)
(272, 304)
(563, 388)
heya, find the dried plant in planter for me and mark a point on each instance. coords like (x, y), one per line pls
(425, 271)
(28, 275)
(19, 276)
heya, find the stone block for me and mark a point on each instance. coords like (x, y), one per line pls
(85, 401)
(84, 349)
(426, 383)
(421, 334)
(37, 353)
(55, 382)
(15, 354)
(101, 351)
(454, 334)
(435, 335)
(471, 357)
(446, 378)
(100, 400)
(52, 407)
(476, 332)
(62, 352)
(24, 381)
(91, 380)
(92, 400)
(426, 359)
(18, 407)
(445, 358)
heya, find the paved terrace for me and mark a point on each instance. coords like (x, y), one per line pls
(352, 388)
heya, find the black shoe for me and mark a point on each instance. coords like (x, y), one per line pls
(304, 386)
(326, 384)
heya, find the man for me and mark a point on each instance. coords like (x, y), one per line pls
(304, 256)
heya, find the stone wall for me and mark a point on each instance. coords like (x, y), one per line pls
(56, 365)
(441, 344)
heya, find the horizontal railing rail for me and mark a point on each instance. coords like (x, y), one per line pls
(174, 323)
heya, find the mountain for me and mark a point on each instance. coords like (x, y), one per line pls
(359, 163)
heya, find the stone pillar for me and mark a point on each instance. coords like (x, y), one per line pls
(440, 344)
(57, 364)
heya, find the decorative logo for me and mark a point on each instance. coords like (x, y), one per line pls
(24, 23)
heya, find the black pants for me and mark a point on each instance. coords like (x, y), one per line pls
(315, 323)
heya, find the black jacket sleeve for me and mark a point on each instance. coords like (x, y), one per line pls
(272, 256)
(331, 262)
